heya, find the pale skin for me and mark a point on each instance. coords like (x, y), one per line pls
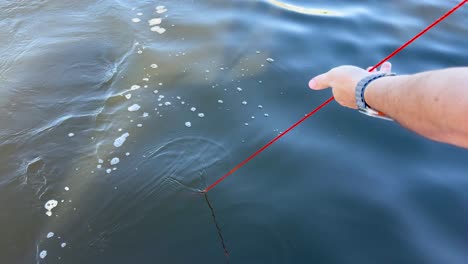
(433, 104)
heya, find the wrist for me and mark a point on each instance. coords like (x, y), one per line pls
(361, 93)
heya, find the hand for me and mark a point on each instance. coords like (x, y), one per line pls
(343, 81)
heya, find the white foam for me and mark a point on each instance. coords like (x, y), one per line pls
(114, 161)
(270, 60)
(128, 96)
(99, 166)
(266, 115)
(66, 188)
(139, 125)
(127, 154)
(167, 103)
(220, 101)
(239, 89)
(43, 254)
(108, 171)
(253, 117)
(160, 84)
(260, 106)
(145, 79)
(134, 107)
(161, 96)
(158, 29)
(145, 114)
(63, 244)
(246, 124)
(135, 87)
(161, 9)
(193, 109)
(139, 14)
(154, 21)
(118, 142)
(100, 161)
(155, 91)
(201, 115)
(244, 102)
(136, 20)
(49, 205)
(71, 134)
(178, 97)
(188, 124)
(50, 234)
(154, 66)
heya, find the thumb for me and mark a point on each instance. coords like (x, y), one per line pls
(319, 82)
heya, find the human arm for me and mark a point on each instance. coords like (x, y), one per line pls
(433, 104)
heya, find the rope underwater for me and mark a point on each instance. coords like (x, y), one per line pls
(332, 98)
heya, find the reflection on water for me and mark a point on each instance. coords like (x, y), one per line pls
(115, 114)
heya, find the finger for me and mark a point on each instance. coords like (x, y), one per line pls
(319, 82)
(386, 67)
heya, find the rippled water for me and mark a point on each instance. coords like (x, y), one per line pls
(122, 122)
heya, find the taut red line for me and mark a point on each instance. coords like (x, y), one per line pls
(331, 98)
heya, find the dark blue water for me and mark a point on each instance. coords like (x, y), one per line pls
(340, 188)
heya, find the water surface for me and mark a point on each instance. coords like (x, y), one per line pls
(122, 122)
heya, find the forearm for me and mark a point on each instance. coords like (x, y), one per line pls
(433, 104)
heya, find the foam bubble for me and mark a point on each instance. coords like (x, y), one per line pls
(136, 20)
(167, 103)
(220, 101)
(158, 29)
(161, 9)
(50, 234)
(63, 244)
(128, 96)
(201, 115)
(270, 60)
(100, 161)
(188, 124)
(260, 106)
(114, 161)
(49, 205)
(108, 171)
(118, 142)
(139, 125)
(193, 109)
(155, 91)
(135, 87)
(145, 114)
(154, 66)
(134, 107)
(154, 21)
(66, 188)
(239, 89)
(266, 115)
(43, 254)
(71, 134)
(244, 102)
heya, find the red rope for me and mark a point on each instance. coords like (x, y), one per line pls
(331, 98)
